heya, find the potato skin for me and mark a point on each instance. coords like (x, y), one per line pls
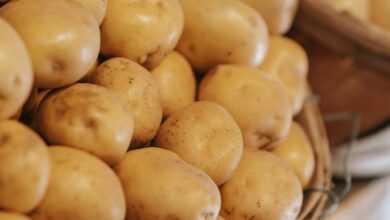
(139, 91)
(24, 167)
(262, 188)
(159, 185)
(12, 216)
(97, 7)
(16, 76)
(205, 135)
(297, 151)
(176, 81)
(259, 104)
(288, 62)
(143, 31)
(222, 32)
(87, 117)
(70, 43)
(81, 187)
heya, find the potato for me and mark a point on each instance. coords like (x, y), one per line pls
(143, 31)
(205, 135)
(262, 188)
(358, 8)
(16, 76)
(24, 167)
(297, 151)
(259, 104)
(287, 61)
(12, 216)
(81, 187)
(61, 36)
(159, 185)
(278, 14)
(176, 81)
(222, 32)
(97, 7)
(87, 117)
(139, 90)
(380, 13)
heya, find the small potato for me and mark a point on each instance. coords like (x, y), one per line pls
(288, 62)
(97, 7)
(206, 136)
(12, 216)
(222, 32)
(380, 13)
(358, 8)
(278, 14)
(262, 188)
(259, 104)
(159, 185)
(143, 31)
(140, 92)
(176, 81)
(16, 76)
(63, 39)
(81, 188)
(88, 117)
(24, 167)
(297, 151)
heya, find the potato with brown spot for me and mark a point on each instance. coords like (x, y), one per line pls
(97, 7)
(87, 117)
(222, 32)
(143, 31)
(262, 188)
(81, 187)
(159, 185)
(62, 38)
(259, 104)
(205, 135)
(24, 167)
(176, 82)
(16, 76)
(139, 90)
(12, 216)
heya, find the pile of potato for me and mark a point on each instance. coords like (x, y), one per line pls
(151, 110)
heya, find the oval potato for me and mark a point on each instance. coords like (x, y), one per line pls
(159, 185)
(24, 167)
(97, 7)
(12, 216)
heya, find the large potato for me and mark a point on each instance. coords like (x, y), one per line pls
(358, 8)
(176, 81)
(297, 151)
(61, 36)
(97, 7)
(159, 185)
(222, 32)
(139, 90)
(278, 14)
(143, 31)
(262, 188)
(81, 187)
(24, 167)
(12, 216)
(380, 13)
(260, 105)
(205, 135)
(88, 117)
(16, 77)
(287, 61)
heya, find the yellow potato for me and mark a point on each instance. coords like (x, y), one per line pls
(259, 104)
(205, 135)
(358, 8)
(97, 7)
(12, 216)
(176, 81)
(139, 90)
(222, 32)
(287, 61)
(380, 13)
(297, 151)
(262, 188)
(159, 185)
(24, 167)
(81, 188)
(278, 14)
(61, 36)
(143, 31)
(87, 117)
(16, 77)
